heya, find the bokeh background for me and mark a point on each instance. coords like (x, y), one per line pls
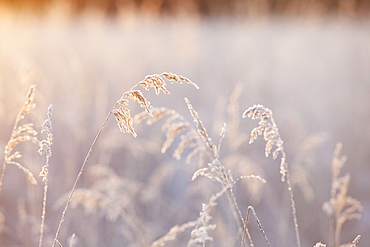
(308, 61)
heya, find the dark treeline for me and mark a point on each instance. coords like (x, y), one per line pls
(203, 7)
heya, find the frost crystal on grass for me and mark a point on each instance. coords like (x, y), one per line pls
(270, 131)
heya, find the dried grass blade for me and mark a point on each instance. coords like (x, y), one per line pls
(136, 95)
(201, 129)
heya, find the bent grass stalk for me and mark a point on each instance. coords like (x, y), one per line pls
(270, 131)
(246, 222)
(125, 121)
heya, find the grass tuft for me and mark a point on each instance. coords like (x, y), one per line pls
(129, 201)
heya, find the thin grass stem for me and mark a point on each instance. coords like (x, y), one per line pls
(78, 177)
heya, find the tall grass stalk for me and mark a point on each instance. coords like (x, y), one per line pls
(270, 131)
(45, 148)
(78, 178)
(124, 120)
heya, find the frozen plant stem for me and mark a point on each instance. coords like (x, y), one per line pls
(45, 148)
(246, 232)
(270, 131)
(78, 178)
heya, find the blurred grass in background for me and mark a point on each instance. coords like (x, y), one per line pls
(306, 60)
